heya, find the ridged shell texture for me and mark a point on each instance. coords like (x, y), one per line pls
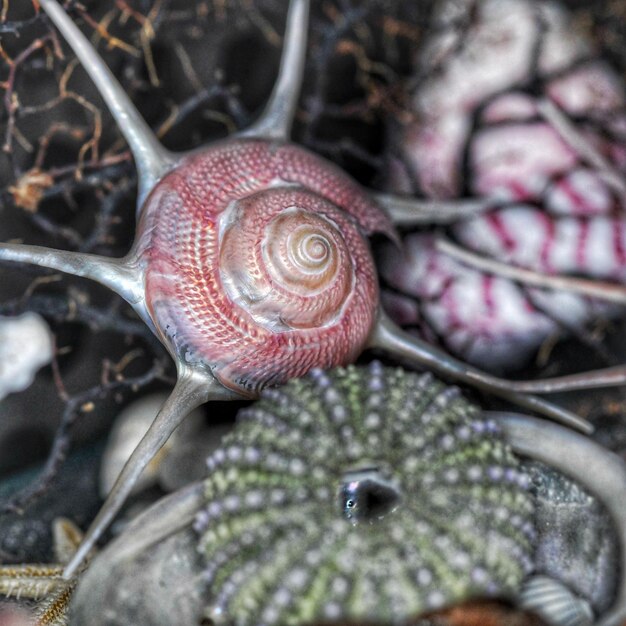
(259, 264)
(478, 132)
(361, 493)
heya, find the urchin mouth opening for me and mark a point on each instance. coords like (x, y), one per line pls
(366, 496)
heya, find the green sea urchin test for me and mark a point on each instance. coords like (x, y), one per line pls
(361, 493)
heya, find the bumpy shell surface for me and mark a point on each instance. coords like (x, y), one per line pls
(361, 494)
(259, 262)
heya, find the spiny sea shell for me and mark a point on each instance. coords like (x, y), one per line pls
(361, 493)
(258, 263)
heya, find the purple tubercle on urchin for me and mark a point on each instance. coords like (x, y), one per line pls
(526, 118)
(348, 453)
(370, 494)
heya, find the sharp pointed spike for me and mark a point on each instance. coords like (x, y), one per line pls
(580, 143)
(607, 377)
(600, 471)
(113, 273)
(392, 339)
(151, 158)
(609, 292)
(192, 389)
(407, 211)
(167, 516)
(277, 118)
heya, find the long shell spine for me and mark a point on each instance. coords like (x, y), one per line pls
(281, 547)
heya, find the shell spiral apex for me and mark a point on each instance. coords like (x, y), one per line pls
(361, 493)
(260, 270)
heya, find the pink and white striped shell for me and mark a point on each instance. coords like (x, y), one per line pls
(479, 132)
(258, 262)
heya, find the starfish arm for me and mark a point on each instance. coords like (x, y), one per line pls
(30, 581)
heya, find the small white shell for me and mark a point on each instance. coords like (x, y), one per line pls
(554, 602)
(25, 346)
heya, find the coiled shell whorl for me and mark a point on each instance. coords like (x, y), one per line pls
(361, 494)
(258, 262)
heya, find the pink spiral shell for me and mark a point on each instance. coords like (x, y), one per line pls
(258, 262)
